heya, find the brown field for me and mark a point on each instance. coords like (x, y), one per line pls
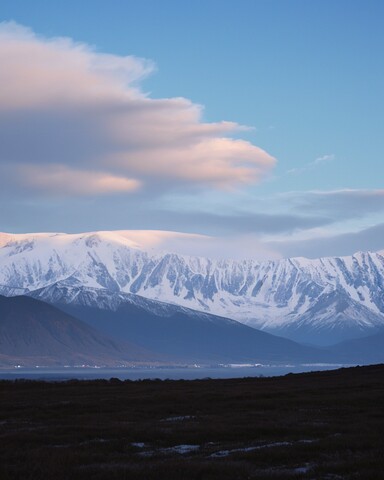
(325, 425)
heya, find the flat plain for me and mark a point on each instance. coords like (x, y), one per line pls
(323, 425)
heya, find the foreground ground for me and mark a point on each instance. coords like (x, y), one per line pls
(325, 425)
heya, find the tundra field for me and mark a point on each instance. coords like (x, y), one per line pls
(322, 425)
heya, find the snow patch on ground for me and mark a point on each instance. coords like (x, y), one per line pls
(226, 453)
(178, 419)
(179, 449)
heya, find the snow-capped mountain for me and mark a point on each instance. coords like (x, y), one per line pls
(320, 301)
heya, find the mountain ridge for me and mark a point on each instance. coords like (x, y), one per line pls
(338, 298)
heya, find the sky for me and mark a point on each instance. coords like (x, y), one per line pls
(252, 126)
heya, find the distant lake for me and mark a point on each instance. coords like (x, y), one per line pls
(172, 373)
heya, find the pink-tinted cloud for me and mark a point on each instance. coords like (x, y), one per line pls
(59, 180)
(73, 115)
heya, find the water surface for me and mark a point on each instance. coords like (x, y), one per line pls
(162, 373)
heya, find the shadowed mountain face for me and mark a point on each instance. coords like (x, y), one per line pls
(35, 333)
(366, 350)
(175, 331)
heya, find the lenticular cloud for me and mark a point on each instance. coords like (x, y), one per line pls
(64, 107)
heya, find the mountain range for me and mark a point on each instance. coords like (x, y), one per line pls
(320, 302)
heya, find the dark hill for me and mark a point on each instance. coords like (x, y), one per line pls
(364, 350)
(35, 333)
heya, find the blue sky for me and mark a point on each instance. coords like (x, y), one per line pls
(306, 76)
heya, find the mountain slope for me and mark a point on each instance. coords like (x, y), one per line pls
(35, 333)
(362, 351)
(176, 331)
(333, 317)
(335, 298)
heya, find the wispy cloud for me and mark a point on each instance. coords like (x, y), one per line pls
(247, 246)
(337, 204)
(313, 164)
(323, 159)
(242, 223)
(70, 115)
(282, 213)
(327, 245)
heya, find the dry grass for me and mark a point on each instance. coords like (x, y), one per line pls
(325, 425)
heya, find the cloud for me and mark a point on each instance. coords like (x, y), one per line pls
(323, 159)
(244, 246)
(239, 222)
(286, 213)
(367, 239)
(313, 164)
(237, 247)
(60, 180)
(337, 204)
(70, 114)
